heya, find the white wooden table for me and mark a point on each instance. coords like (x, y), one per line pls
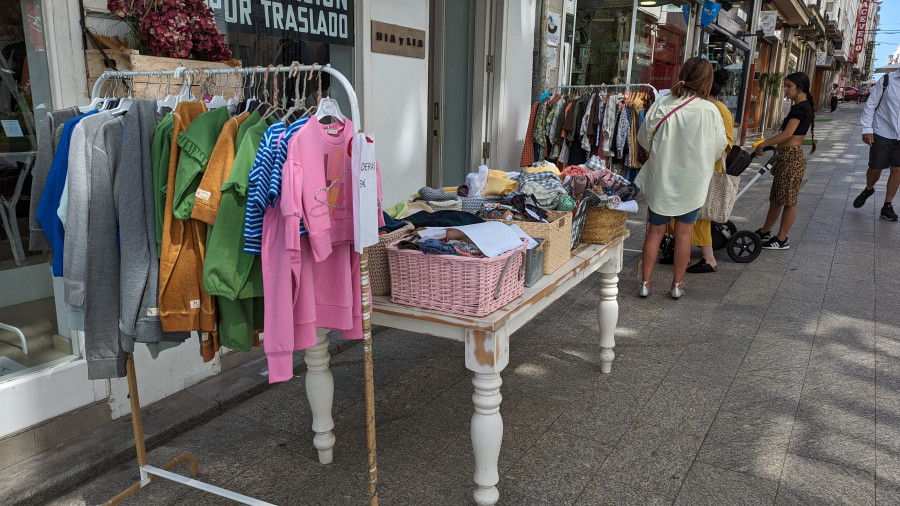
(487, 351)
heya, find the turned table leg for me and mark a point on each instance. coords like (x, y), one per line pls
(320, 392)
(487, 353)
(607, 317)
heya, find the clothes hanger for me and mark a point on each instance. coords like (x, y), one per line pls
(214, 101)
(124, 104)
(93, 105)
(171, 100)
(234, 101)
(328, 107)
(294, 74)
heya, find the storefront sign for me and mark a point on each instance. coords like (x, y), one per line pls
(821, 56)
(397, 40)
(767, 21)
(554, 26)
(329, 21)
(552, 54)
(862, 21)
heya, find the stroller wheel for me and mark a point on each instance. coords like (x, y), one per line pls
(744, 246)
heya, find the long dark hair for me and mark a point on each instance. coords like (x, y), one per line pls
(720, 79)
(801, 81)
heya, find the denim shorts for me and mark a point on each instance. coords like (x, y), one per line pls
(658, 219)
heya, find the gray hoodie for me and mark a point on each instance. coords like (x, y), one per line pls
(85, 137)
(139, 311)
(103, 347)
(46, 150)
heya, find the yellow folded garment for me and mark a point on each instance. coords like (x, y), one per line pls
(541, 168)
(498, 183)
(398, 211)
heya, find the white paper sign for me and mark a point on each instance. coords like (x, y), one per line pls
(767, 20)
(365, 192)
(554, 26)
(12, 128)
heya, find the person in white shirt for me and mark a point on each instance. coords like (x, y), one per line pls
(685, 135)
(881, 131)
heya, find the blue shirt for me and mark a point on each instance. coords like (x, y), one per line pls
(53, 190)
(264, 185)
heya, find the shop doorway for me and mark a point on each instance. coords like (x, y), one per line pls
(459, 70)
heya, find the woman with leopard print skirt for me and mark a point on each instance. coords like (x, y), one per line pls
(791, 162)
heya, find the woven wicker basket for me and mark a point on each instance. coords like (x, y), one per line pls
(456, 284)
(557, 233)
(379, 272)
(602, 225)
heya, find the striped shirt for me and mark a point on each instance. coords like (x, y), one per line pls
(265, 181)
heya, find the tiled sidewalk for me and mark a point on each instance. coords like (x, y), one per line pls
(776, 381)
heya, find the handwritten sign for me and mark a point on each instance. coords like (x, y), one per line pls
(365, 192)
(329, 21)
(397, 40)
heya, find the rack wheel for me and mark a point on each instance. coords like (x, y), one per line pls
(744, 246)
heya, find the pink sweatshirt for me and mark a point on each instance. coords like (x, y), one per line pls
(311, 281)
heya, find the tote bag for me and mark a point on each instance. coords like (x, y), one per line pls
(720, 198)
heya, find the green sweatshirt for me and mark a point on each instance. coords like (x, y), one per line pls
(197, 144)
(233, 276)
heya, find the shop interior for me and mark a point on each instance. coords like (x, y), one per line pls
(30, 337)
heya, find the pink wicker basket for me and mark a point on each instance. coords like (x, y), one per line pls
(456, 284)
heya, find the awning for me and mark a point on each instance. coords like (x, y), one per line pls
(792, 11)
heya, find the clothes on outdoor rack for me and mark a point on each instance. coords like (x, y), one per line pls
(570, 129)
(312, 280)
(145, 209)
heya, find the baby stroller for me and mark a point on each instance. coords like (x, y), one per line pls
(742, 246)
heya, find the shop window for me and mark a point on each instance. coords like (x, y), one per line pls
(602, 34)
(27, 312)
(261, 37)
(725, 55)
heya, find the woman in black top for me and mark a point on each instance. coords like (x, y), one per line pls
(791, 163)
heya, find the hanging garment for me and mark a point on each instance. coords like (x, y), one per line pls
(139, 280)
(622, 133)
(312, 280)
(230, 274)
(78, 180)
(105, 351)
(540, 129)
(50, 197)
(585, 129)
(610, 116)
(258, 184)
(209, 189)
(527, 157)
(160, 150)
(197, 144)
(46, 149)
(183, 304)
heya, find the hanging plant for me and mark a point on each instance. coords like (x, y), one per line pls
(773, 83)
(173, 28)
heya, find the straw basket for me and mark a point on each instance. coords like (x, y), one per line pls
(602, 225)
(557, 233)
(379, 272)
(456, 284)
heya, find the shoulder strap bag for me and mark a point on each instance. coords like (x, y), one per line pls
(686, 102)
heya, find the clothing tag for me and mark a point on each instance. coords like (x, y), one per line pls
(202, 194)
(204, 336)
(195, 304)
(332, 131)
(152, 311)
(365, 192)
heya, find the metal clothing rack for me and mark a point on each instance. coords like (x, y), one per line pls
(317, 355)
(598, 87)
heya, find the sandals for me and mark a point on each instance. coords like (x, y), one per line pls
(701, 267)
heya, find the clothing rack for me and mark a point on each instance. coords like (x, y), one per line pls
(598, 87)
(320, 389)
